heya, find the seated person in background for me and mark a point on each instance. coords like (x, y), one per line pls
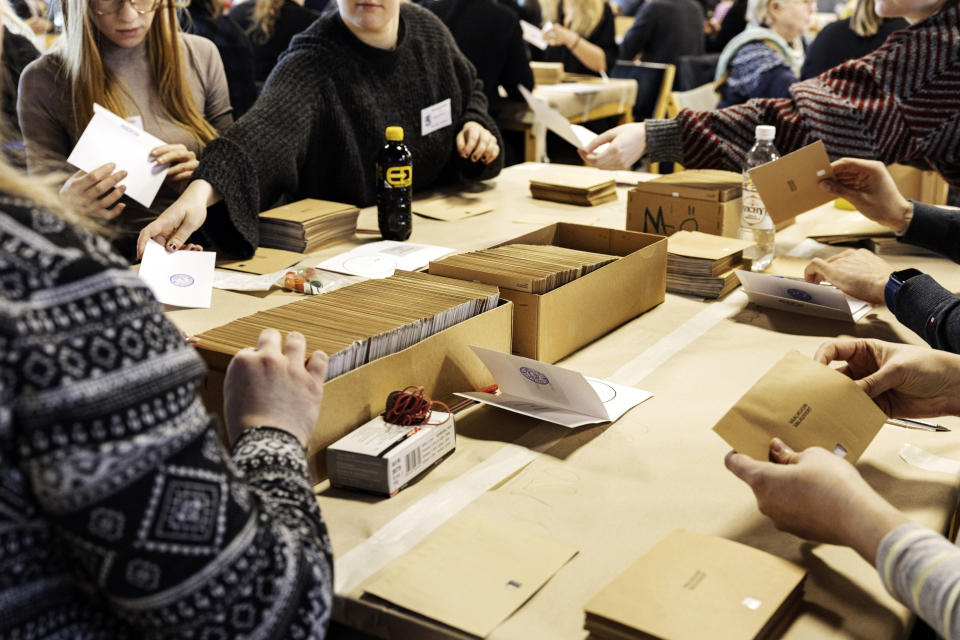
(876, 107)
(490, 36)
(663, 31)
(123, 516)
(850, 38)
(627, 7)
(16, 52)
(733, 22)
(115, 53)
(318, 126)
(803, 493)
(528, 10)
(764, 60)
(916, 299)
(206, 18)
(581, 35)
(271, 25)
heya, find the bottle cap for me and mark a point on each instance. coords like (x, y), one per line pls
(766, 132)
(395, 134)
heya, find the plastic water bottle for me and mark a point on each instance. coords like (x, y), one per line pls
(395, 187)
(755, 222)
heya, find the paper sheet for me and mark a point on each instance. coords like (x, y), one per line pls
(548, 392)
(575, 134)
(533, 35)
(110, 138)
(802, 297)
(380, 259)
(451, 207)
(181, 278)
(923, 459)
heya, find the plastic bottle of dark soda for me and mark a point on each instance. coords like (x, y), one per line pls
(395, 187)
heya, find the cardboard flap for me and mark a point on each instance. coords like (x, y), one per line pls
(306, 210)
(805, 404)
(697, 184)
(789, 186)
(691, 585)
(263, 261)
(694, 244)
(471, 573)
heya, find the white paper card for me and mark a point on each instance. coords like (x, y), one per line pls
(181, 278)
(110, 138)
(381, 259)
(801, 297)
(435, 117)
(548, 392)
(575, 134)
(533, 35)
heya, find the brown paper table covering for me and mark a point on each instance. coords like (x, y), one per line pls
(613, 490)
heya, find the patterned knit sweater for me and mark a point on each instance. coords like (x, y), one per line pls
(121, 515)
(318, 126)
(899, 104)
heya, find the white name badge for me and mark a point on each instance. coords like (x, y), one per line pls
(435, 117)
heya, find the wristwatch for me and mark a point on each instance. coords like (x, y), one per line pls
(897, 278)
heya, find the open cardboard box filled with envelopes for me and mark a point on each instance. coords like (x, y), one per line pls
(548, 326)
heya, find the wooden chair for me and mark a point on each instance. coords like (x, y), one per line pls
(703, 98)
(654, 85)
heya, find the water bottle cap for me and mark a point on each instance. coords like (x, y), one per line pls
(394, 134)
(766, 132)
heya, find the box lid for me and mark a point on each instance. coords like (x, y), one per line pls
(699, 184)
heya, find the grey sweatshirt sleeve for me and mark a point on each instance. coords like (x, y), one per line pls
(922, 570)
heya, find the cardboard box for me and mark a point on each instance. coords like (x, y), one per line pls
(704, 200)
(442, 364)
(917, 184)
(547, 72)
(552, 325)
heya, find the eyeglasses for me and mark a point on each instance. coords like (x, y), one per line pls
(107, 7)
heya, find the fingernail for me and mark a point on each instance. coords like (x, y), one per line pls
(172, 246)
(122, 187)
(123, 174)
(777, 447)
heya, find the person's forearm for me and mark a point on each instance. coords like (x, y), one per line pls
(203, 190)
(589, 54)
(868, 522)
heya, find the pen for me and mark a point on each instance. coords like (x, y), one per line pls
(922, 425)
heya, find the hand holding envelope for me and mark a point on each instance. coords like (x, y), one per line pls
(577, 135)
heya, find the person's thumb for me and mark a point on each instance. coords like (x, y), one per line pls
(877, 383)
(179, 237)
(601, 139)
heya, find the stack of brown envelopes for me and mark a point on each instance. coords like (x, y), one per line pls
(701, 264)
(306, 225)
(574, 185)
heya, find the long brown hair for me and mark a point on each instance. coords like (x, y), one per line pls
(91, 81)
(265, 16)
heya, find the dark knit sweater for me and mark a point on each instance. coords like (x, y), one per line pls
(922, 305)
(901, 103)
(318, 127)
(121, 514)
(663, 31)
(489, 35)
(293, 19)
(837, 42)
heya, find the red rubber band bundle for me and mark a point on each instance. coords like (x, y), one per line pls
(410, 407)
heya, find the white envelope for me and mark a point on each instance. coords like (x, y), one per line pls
(181, 278)
(575, 134)
(548, 392)
(533, 35)
(381, 259)
(801, 297)
(110, 138)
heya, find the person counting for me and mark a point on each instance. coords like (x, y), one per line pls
(130, 57)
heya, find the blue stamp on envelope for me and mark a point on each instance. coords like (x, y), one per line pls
(181, 280)
(534, 376)
(799, 294)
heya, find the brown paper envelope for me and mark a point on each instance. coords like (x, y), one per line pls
(450, 208)
(805, 404)
(471, 573)
(306, 209)
(694, 244)
(691, 585)
(263, 261)
(788, 186)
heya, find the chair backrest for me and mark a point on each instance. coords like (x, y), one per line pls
(695, 71)
(654, 82)
(703, 98)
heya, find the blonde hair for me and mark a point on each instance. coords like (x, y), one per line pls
(758, 12)
(265, 16)
(15, 24)
(584, 18)
(91, 81)
(865, 22)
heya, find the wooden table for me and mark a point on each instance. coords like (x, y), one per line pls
(613, 490)
(584, 99)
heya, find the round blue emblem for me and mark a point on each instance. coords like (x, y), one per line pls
(799, 294)
(534, 376)
(181, 280)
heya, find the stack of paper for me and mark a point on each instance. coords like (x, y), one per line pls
(307, 225)
(702, 264)
(364, 321)
(534, 268)
(884, 246)
(574, 188)
(691, 585)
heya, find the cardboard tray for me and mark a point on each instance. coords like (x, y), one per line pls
(551, 325)
(442, 364)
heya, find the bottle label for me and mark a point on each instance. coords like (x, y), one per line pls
(398, 177)
(753, 211)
